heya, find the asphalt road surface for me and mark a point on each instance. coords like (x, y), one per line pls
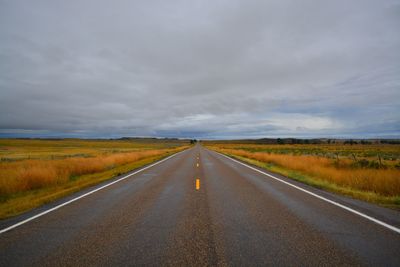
(201, 208)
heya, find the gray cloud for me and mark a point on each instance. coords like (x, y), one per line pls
(210, 69)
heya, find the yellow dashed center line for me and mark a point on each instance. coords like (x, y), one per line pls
(197, 184)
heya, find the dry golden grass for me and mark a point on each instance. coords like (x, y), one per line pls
(383, 181)
(34, 172)
(387, 154)
(24, 201)
(22, 149)
(28, 165)
(26, 175)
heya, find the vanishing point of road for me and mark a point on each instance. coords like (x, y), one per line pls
(200, 208)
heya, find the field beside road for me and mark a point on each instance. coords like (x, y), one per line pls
(34, 171)
(201, 208)
(369, 172)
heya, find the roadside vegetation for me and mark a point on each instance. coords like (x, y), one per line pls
(367, 171)
(33, 172)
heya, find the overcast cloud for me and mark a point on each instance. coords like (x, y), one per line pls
(204, 69)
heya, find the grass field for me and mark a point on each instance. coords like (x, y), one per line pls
(33, 172)
(368, 172)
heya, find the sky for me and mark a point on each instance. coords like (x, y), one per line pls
(200, 69)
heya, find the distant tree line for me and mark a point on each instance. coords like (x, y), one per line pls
(391, 142)
(332, 141)
(298, 141)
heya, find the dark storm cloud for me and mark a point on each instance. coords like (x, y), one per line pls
(196, 68)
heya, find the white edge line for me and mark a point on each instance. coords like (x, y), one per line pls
(388, 226)
(86, 194)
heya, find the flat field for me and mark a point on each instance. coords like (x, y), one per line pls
(369, 172)
(36, 171)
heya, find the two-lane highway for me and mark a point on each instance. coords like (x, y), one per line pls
(202, 208)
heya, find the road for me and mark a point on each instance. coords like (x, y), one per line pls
(236, 216)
